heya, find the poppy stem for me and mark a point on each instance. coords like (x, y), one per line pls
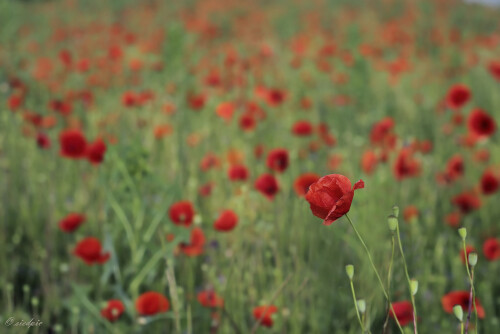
(386, 323)
(472, 290)
(471, 300)
(409, 281)
(356, 307)
(375, 270)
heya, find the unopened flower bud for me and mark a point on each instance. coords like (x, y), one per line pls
(463, 232)
(414, 286)
(361, 305)
(349, 269)
(472, 259)
(459, 312)
(393, 222)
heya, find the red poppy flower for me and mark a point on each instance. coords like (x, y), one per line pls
(225, 111)
(226, 222)
(14, 102)
(453, 219)
(491, 249)
(196, 244)
(42, 140)
(96, 151)
(62, 107)
(460, 298)
(267, 185)
(303, 182)
(481, 124)
(196, 102)
(113, 310)
(71, 222)
(90, 251)
(381, 130)
(458, 96)
(247, 122)
(73, 144)
(237, 173)
(278, 160)
(489, 183)
(209, 161)
(403, 311)
(210, 299)
(494, 68)
(181, 213)
(369, 162)
(302, 128)
(406, 165)
(150, 303)
(206, 189)
(466, 202)
(410, 212)
(425, 146)
(331, 196)
(455, 167)
(264, 314)
(468, 249)
(275, 97)
(130, 99)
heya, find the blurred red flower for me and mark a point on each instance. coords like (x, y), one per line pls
(181, 213)
(210, 299)
(150, 303)
(113, 310)
(481, 124)
(71, 222)
(369, 162)
(227, 221)
(96, 151)
(302, 128)
(331, 196)
(264, 314)
(460, 298)
(403, 311)
(90, 251)
(73, 144)
(458, 96)
(278, 160)
(267, 185)
(196, 243)
(491, 249)
(406, 165)
(42, 140)
(489, 183)
(466, 202)
(237, 173)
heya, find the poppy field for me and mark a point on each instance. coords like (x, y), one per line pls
(223, 166)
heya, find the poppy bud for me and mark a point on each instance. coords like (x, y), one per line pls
(414, 287)
(393, 222)
(361, 305)
(472, 259)
(349, 269)
(463, 232)
(459, 313)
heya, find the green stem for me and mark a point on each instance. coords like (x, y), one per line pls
(375, 270)
(389, 274)
(471, 281)
(409, 281)
(356, 306)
